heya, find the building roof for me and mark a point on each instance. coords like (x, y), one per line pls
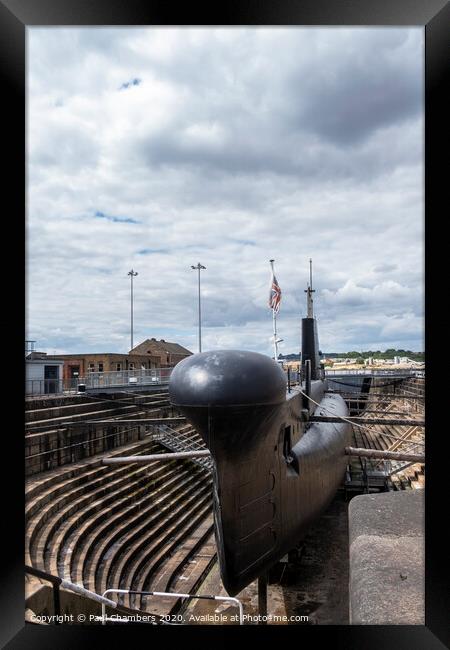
(80, 355)
(35, 356)
(161, 346)
(44, 360)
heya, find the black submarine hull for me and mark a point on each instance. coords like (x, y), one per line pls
(274, 472)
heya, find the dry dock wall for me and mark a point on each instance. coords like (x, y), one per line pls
(387, 558)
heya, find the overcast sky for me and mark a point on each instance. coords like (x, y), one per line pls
(158, 148)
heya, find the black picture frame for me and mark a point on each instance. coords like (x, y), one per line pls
(434, 15)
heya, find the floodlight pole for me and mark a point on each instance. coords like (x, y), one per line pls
(199, 267)
(132, 274)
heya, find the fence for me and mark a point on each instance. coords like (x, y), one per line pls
(47, 387)
(387, 372)
(126, 377)
(156, 376)
(147, 377)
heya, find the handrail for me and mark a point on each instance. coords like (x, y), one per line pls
(170, 594)
(408, 372)
(112, 378)
(58, 582)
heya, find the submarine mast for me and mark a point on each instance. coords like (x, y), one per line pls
(310, 340)
(309, 291)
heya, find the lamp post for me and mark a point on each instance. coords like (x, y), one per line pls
(198, 268)
(132, 274)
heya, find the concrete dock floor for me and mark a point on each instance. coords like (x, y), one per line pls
(313, 585)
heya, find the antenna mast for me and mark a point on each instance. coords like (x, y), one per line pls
(309, 291)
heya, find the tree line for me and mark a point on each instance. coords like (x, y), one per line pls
(390, 353)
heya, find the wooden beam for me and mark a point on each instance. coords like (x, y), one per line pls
(125, 460)
(358, 420)
(384, 455)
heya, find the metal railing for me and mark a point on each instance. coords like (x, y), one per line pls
(161, 376)
(153, 376)
(385, 372)
(398, 466)
(177, 442)
(294, 376)
(44, 387)
(169, 594)
(58, 583)
(129, 378)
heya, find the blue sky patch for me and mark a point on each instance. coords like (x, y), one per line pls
(128, 84)
(102, 215)
(152, 251)
(244, 242)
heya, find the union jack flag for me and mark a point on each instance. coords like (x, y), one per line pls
(275, 295)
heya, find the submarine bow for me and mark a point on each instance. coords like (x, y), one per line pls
(274, 472)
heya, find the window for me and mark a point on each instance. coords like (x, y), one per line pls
(74, 371)
(118, 367)
(91, 367)
(100, 367)
(131, 366)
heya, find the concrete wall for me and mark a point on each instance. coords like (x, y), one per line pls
(387, 560)
(50, 449)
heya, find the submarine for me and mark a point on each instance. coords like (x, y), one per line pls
(274, 471)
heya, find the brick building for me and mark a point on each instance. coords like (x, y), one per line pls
(169, 354)
(79, 365)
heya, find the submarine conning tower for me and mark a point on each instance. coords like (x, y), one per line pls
(310, 339)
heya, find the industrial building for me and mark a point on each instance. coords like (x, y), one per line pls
(43, 374)
(79, 365)
(145, 356)
(62, 373)
(168, 353)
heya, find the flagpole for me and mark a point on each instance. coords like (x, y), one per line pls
(275, 344)
(274, 323)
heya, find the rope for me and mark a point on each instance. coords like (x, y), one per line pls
(343, 383)
(355, 424)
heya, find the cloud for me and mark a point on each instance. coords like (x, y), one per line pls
(354, 96)
(229, 147)
(385, 268)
